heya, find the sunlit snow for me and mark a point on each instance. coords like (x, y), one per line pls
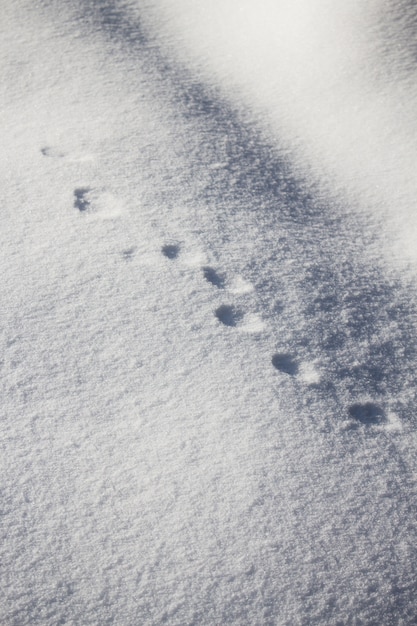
(208, 338)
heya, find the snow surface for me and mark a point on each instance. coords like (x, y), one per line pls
(209, 314)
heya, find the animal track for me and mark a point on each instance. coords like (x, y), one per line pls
(82, 202)
(367, 413)
(214, 277)
(171, 250)
(286, 363)
(49, 151)
(98, 203)
(129, 253)
(229, 315)
(71, 157)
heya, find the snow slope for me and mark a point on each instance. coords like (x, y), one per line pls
(208, 365)
(333, 82)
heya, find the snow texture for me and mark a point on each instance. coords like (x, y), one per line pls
(208, 336)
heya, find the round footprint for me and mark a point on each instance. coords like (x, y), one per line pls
(286, 363)
(171, 250)
(229, 315)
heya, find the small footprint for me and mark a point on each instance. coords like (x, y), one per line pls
(71, 157)
(367, 413)
(229, 315)
(50, 151)
(285, 363)
(82, 202)
(129, 253)
(214, 277)
(171, 250)
(98, 203)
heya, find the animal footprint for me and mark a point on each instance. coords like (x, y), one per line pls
(171, 250)
(285, 363)
(229, 315)
(81, 201)
(50, 151)
(214, 277)
(367, 413)
(129, 253)
(96, 203)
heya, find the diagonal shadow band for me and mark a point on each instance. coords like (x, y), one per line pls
(357, 320)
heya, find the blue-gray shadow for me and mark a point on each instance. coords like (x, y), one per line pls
(358, 319)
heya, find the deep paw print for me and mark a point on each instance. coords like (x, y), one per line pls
(213, 277)
(286, 363)
(367, 413)
(82, 201)
(129, 253)
(229, 315)
(171, 250)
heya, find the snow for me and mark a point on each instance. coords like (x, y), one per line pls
(333, 82)
(208, 351)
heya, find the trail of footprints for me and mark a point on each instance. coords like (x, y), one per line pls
(234, 316)
(286, 363)
(90, 201)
